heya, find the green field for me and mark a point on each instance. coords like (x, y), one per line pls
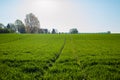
(59, 56)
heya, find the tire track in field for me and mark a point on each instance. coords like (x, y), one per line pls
(74, 52)
(56, 57)
(59, 53)
(53, 60)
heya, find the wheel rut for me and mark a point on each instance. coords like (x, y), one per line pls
(57, 55)
(54, 59)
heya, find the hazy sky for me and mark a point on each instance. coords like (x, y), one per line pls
(85, 15)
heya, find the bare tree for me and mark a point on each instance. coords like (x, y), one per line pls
(32, 23)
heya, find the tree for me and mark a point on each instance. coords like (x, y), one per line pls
(20, 26)
(11, 27)
(73, 31)
(54, 31)
(1, 25)
(32, 23)
(4, 30)
(109, 32)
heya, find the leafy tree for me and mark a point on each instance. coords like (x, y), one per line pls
(109, 32)
(1, 25)
(20, 26)
(73, 31)
(11, 27)
(54, 31)
(5, 30)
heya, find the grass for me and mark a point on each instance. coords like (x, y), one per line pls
(59, 56)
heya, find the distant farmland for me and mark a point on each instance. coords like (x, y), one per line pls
(59, 56)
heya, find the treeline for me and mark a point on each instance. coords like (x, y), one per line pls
(31, 25)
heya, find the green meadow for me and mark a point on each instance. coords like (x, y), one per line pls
(59, 56)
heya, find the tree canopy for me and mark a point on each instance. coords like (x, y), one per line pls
(73, 31)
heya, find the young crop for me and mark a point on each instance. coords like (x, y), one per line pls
(59, 57)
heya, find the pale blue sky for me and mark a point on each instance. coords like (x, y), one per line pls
(85, 15)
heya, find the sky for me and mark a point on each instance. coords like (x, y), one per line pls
(85, 15)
